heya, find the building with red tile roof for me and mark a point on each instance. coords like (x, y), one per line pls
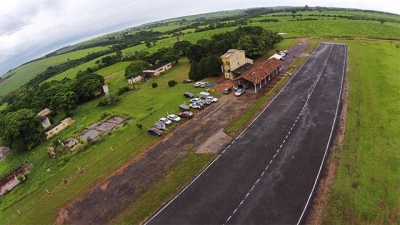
(262, 73)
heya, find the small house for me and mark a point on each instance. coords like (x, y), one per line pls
(158, 68)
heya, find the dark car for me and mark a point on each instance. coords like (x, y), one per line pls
(188, 95)
(186, 114)
(227, 91)
(155, 131)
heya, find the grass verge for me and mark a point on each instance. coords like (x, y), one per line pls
(165, 190)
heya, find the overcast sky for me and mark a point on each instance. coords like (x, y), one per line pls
(33, 28)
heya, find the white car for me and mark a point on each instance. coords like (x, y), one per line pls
(196, 106)
(198, 84)
(212, 99)
(239, 92)
(174, 117)
(194, 100)
(165, 120)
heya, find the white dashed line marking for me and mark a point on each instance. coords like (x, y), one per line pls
(298, 116)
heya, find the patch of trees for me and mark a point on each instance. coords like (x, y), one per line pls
(21, 130)
(254, 39)
(135, 68)
(207, 67)
(62, 95)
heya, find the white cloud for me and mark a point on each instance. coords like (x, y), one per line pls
(29, 29)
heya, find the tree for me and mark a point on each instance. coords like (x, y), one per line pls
(65, 101)
(182, 47)
(135, 68)
(87, 85)
(21, 130)
(214, 65)
(194, 73)
(148, 44)
(195, 53)
(382, 21)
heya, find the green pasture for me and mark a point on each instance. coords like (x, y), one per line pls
(366, 189)
(25, 73)
(334, 28)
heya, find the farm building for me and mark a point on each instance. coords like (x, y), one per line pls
(261, 74)
(234, 63)
(157, 69)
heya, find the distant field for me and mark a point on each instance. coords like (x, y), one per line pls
(366, 190)
(25, 73)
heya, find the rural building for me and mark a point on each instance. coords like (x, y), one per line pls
(134, 80)
(44, 119)
(277, 56)
(261, 74)
(234, 63)
(158, 68)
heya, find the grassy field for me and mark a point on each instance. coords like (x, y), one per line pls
(144, 106)
(25, 73)
(366, 190)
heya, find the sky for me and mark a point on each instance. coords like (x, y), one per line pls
(30, 29)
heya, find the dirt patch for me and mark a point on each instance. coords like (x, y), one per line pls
(215, 143)
(393, 217)
(324, 188)
(382, 205)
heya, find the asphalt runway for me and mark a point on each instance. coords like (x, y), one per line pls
(268, 174)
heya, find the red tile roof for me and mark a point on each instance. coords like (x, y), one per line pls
(261, 71)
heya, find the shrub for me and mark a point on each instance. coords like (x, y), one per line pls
(108, 100)
(172, 83)
(123, 90)
(154, 85)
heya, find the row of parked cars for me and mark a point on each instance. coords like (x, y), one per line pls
(184, 112)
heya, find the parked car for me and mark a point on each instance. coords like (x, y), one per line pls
(227, 91)
(183, 107)
(188, 95)
(239, 92)
(203, 84)
(194, 100)
(187, 81)
(186, 114)
(173, 117)
(165, 120)
(160, 125)
(205, 102)
(155, 131)
(235, 87)
(212, 99)
(198, 84)
(196, 105)
(204, 94)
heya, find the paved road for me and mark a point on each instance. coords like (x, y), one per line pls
(268, 173)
